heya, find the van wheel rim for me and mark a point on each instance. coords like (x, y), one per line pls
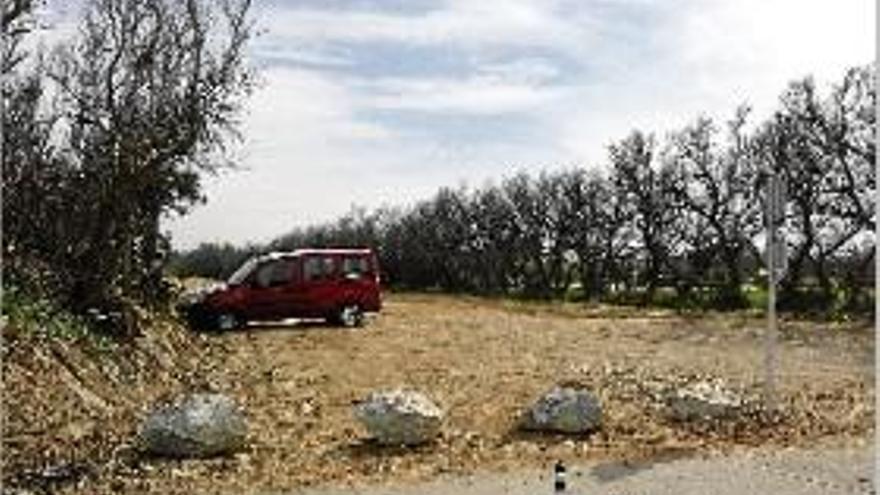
(226, 321)
(350, 316)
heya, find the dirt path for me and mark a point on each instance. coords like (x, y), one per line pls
(483, 361)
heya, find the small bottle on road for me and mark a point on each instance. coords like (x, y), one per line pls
(559, 477)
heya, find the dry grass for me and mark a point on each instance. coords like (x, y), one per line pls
(483, 361)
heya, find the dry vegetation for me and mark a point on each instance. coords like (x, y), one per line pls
(482, 360)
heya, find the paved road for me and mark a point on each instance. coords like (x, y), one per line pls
(786, 472)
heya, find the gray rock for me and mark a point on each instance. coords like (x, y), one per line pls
(194, 425)
(564, 410)
(400, 417)
(703, 400)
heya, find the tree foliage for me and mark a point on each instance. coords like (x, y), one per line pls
(112, 130)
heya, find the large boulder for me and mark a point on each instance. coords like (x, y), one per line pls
(703, 400)
(400, 417)
(564, 410)
(194, 425)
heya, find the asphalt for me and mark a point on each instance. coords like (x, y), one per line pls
(844, 471)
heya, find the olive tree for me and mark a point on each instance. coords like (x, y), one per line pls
(643, 187)
(715, 186)
(823, 147)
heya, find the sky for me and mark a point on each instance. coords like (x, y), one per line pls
(382, 102)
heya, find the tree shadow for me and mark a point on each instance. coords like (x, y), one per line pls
(608, 472)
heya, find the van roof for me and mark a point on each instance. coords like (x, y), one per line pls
(333, 251)
(300, 252)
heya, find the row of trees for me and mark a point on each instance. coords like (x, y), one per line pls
(106, 132)
(684, 212)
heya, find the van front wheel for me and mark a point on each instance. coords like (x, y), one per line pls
(225, 322)
(350, 316)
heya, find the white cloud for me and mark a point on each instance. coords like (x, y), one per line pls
(754, 47)
(480, 95)
(526, 70)
(456, 22)
(298, 107)
(302, 55)
(300, 157)
(717, 56)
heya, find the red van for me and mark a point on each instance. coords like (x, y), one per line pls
(337, 284)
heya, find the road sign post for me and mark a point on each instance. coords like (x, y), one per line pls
(771, 337)
(777, 263)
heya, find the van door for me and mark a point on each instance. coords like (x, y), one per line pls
(357, 280)
(271, 295)
(320, 285)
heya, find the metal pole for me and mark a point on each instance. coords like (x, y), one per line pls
(771, 337)
(876, 264)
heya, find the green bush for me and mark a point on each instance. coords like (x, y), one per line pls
(41, 317)
(756, 295)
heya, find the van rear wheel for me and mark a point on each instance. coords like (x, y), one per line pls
(350, 316)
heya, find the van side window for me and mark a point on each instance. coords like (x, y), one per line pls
(273, 273)
(319, 268)
(312, 269)
(355, 266)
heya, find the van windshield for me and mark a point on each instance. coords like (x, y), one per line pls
(242, 273)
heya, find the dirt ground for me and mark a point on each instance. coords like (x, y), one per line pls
(483, 361)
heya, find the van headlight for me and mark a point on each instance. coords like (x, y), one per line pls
(195, 296)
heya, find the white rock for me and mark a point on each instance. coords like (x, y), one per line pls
(703, 400)
(400, 417)
(564, 410)
(194, 425)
